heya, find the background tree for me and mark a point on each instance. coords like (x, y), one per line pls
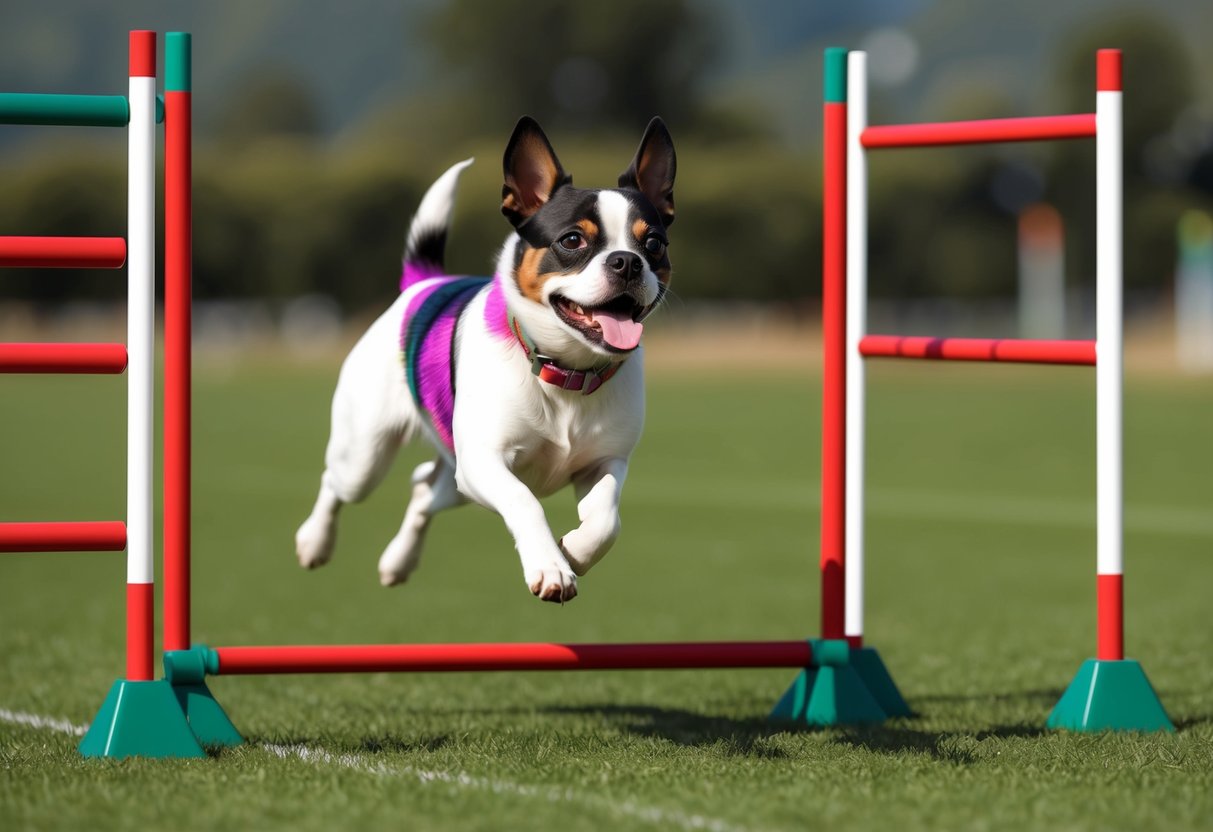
(576, 64)
(1159, 86)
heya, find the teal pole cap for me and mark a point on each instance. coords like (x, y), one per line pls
(177, 61)
(836, 75)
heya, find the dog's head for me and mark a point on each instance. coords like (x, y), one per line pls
(587, 265)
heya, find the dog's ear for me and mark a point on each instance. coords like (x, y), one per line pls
(652, 171)
(532, 172)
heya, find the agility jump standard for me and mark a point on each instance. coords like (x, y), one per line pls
(1110, 691)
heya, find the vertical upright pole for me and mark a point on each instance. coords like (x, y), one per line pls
(856, 315)
(1110, 356)
(868, 664)
(833, 330)
(207, 720)
(140, 264)
(140, 717)
(1109, 691)
(177, 326)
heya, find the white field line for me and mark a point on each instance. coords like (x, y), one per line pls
(454, 780)
(462, 780)
(36, 721)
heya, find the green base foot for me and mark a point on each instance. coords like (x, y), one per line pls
(140, 719)
(206, 717)
(880, 684)
(1110, 696)
(830, 694)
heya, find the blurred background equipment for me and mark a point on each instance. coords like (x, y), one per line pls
(1042, 276)
(1194, 293)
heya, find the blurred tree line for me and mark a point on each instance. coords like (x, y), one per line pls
(278, 212)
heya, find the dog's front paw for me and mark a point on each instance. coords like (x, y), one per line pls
(314, 542)
(555, 583)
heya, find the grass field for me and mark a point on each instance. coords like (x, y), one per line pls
(981, 599)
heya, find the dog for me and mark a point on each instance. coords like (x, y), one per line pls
(544, 356)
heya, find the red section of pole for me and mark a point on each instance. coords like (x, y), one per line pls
(1108, 71)
(62, 252)
(177, 370)
(139, 622)
(979, 349)
(374, 658)
(105, 536)
(142, 54)
(62, 358)
(833, 406)
(1039, 128)
(1110, 612)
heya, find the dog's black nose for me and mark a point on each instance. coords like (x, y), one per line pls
(625, 264)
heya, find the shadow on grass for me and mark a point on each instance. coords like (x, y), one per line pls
(946, 746)
(743, 737)
(1046, 695)
(747, 736)
(1190, 722)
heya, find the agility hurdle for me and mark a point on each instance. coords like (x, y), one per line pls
(177, 716)
(1109, 691)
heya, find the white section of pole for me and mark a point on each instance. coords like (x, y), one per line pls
(857, 305)
(141, 311)
(1109, 322)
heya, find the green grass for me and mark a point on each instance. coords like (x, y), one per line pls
(981, 561)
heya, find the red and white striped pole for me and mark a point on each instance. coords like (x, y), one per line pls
(141, 216)
(1109, 340)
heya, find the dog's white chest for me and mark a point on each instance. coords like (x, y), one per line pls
(566, 435)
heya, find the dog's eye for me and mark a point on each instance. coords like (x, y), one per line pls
(572, 241)
(654, 245)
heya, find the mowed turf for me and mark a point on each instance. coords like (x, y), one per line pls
(981, 599)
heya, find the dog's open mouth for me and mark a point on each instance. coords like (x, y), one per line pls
(615, 324)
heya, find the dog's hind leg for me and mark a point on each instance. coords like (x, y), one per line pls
(433, 491)
(372, 414)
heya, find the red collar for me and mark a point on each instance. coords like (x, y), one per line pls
(587, 381)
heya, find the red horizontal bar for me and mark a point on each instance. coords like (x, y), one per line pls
(1038, 128)
(371, 658)
(979, 349)
(62, 358)
(104, 536)
(62, 252)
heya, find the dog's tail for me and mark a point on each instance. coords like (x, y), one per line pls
(425, 249)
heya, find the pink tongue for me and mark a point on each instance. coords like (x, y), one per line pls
(618, 330)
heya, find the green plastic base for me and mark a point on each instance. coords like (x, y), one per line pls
(880, 684)
(828, 695)
(207, 719)
(1110, 696)
(140, 719)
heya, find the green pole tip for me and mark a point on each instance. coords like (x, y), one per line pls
(836, 75)
(177, 62)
